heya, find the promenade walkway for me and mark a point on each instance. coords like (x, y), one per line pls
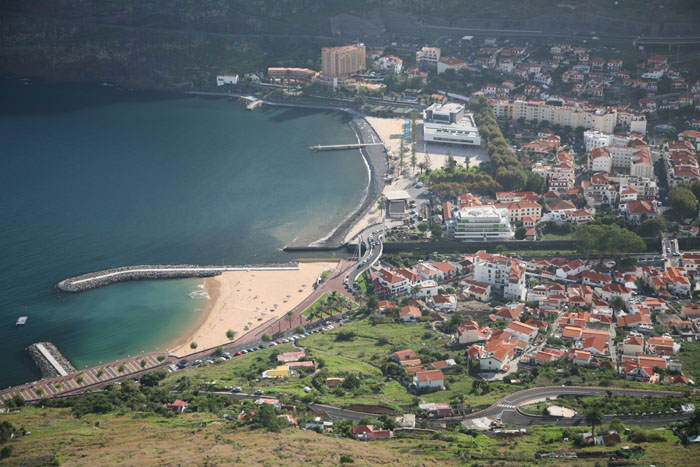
(84, 379)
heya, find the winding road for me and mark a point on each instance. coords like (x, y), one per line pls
(507, 408)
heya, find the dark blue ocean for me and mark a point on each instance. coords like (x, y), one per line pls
(95, 177)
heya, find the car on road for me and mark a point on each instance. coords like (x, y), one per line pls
(259, 392)
(237, 389)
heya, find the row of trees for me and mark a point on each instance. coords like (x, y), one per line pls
(504, 163)
(607, 240)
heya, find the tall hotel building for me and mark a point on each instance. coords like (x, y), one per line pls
(341, 62)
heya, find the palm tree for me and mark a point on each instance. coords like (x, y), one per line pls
(594, 417)
(100, 373)
(290, 315)
(414, 291)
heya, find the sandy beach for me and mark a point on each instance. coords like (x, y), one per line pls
(244, 300)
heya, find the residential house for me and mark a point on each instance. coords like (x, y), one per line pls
(409, 313)
(368, 432)
(522, 330)
(429, 379)
(404, 355)
(443, 302)
(633, 345)
(470, 332)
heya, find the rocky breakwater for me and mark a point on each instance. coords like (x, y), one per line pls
(106, 277)
(48, 368)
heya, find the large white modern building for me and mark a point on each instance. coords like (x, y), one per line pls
(448, 123)
(480, 223)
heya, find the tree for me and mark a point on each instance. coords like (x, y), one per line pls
(450, 164)
(617, 303)
(520, 233)
(219, 352)
(290, 316)
(426, 163)
(267, 418)
(653, 227)
(414, 159)
(143, 363)
(121, 368)
(351, 383)
(617, 425)
(423, 226)
(683, 201)
(372, 303)
(381, 204)
(511, 178)
(79, 379)
(534, 182)
(266, 338)
(436, 230)
(193, 345)
(300, 329)
(100, 373)
(593, 417)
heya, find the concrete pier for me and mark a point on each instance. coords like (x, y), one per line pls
(338, 147)
(50, 360)
(149, 272)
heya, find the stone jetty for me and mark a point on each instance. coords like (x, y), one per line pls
(50, 360)
(106, 277)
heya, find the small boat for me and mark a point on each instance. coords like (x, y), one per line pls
(21, 321)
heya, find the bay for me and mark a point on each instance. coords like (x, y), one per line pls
(95, 177)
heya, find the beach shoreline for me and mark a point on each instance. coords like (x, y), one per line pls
(242, 301)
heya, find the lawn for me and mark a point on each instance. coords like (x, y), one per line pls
(327, 305)
(364, 282)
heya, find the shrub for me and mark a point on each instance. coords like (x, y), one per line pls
(266, 338)
(193, 345)
(345, 459)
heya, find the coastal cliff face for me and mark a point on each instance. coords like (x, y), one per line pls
(185, 43)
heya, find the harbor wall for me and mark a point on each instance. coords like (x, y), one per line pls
(106, 277)
(46, 368)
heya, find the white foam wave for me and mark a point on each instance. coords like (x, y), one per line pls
(199, 295)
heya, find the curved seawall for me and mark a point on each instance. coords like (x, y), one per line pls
(106, 277)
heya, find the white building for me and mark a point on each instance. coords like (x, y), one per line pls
(596, 139)
(428, 57)
(481, 223)
(226, 79)
(502, 273)
(447, 123)
(390, 63)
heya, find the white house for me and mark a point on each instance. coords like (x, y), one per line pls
(470, 332)
(522, 331)
(226, 79)
(429, 379)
